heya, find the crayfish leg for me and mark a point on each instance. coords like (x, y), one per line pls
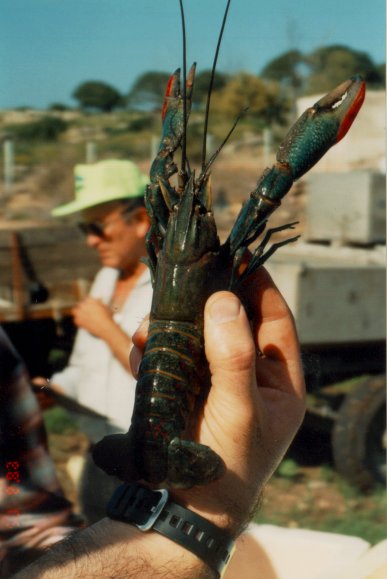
(190, 464)
(260, 256)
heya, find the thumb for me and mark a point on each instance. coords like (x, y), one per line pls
(230, 348)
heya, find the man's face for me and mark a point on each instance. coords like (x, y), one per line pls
(117, 237)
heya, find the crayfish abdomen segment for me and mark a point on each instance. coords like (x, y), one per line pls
(165, 395)
(171, 378)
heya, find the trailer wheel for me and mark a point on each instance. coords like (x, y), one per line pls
(359, 434)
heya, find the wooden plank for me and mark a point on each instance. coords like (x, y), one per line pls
(40, 236)
(57, 257)
(56, 254)
(55, 309)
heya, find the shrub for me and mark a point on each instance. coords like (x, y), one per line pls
(57, 421)
(45, 129)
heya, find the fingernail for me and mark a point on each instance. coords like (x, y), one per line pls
(225, 310)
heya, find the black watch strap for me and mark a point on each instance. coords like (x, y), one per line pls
(152, 509)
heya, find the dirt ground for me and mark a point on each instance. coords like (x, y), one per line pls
(64, 447)
(234, 176)
(304, 493)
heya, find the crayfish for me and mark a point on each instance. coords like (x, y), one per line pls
(188, 264)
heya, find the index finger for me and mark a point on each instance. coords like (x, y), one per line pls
(274, 329)
(275, 336)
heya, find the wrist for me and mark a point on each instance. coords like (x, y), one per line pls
(155, 510)
(217, 517)
(108, 325)
(152, 551)
(221, 504)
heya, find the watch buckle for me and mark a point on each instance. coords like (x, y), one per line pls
(155, 511)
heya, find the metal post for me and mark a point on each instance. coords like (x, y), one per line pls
(91, 152)
(9, 164)
(210, 143)
(154, 146)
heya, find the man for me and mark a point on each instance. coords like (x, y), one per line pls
(34, 513)
(109, 195)
(254, 408)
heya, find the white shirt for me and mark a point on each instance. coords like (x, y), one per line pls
(94, 377)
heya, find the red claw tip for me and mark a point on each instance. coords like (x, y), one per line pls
(167, 93)
(352, 112)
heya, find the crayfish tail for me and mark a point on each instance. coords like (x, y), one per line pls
(114, 454)
(190, 464)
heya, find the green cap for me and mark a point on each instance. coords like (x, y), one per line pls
(102, 182)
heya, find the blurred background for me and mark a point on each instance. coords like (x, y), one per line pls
(82, 81)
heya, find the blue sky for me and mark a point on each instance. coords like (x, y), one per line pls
(48, 47)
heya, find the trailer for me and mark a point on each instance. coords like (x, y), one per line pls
(335, 284)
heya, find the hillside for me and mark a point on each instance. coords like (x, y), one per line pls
(42, 171)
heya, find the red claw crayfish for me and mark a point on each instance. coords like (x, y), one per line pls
(188, 264)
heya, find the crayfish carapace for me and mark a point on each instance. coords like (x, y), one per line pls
(188, 264)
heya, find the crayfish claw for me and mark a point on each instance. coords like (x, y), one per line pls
(344, 102)
(172, 91)
(190, 81)
(321, 126)
(173, 127)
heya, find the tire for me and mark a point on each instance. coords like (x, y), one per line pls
(359, 434)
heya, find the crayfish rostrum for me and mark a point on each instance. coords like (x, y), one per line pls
(188, 264)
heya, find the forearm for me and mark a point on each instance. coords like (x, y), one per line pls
(97, 319)
(119, 550)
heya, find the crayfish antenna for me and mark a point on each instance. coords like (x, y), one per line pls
(184, 140)
(204, 173)
(207, 113)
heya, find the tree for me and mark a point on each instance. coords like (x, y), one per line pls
(263, 99)
(381, 71)
(285, 69)
(95, 94)
(332, 65)
(45, 129)
(59, 107)
(323, 69)
(202, 83)
(148, 91)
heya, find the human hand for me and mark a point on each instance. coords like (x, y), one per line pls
(93, 315)
(256, 402)
(42, 391)
(254, 407)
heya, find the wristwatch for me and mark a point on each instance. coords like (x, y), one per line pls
(152, 509)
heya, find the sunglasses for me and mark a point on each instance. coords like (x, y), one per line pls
(97, 228)
(92, 228)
